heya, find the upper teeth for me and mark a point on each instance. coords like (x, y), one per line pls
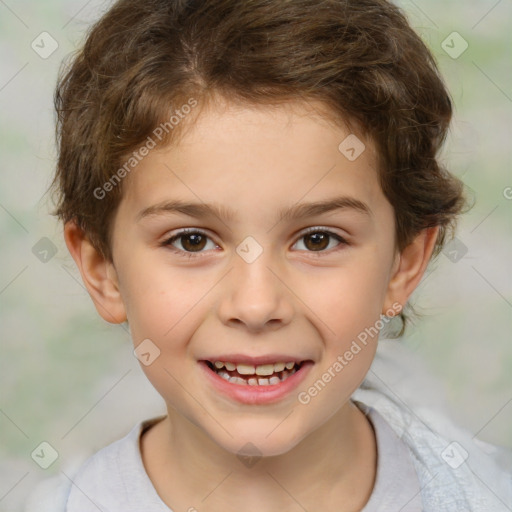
(249, 369)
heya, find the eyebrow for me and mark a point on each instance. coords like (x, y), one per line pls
(298, 211)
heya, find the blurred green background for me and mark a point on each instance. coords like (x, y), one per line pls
(70, 379)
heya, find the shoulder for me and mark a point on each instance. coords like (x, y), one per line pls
(98, 484)
(50, 495)
(456, 471)
(112, 477)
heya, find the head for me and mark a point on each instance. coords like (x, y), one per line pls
(255, 108)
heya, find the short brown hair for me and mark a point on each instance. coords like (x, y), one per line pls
(360, 58)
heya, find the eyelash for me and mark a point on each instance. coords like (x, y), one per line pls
(187, 254)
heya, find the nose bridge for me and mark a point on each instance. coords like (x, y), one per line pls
(255, 295)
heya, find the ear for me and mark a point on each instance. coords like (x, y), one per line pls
(98, 274)
(410, 265)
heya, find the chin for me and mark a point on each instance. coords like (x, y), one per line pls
(259, 441)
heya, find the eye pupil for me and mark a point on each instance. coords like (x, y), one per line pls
(319, 240)
(193, 240)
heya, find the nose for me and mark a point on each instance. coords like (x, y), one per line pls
(255, 297)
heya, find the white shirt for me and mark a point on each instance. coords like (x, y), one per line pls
(115, 480)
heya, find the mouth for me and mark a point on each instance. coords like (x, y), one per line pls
(251, 383)
(268, 374)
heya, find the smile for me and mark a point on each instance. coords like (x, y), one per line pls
(250, 375)
(255, 384)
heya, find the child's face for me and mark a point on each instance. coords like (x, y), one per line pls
(289, 303)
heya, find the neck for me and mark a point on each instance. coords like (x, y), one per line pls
(333, 467)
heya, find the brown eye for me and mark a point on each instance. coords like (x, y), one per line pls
(317, 241)
(193, 242)
(188, 242)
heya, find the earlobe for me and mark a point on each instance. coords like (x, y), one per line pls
(409, 268)
(98, 274)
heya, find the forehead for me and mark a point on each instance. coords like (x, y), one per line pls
(238, 154)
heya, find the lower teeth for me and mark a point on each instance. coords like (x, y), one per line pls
(256, 381)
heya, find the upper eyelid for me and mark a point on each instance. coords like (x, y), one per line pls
(313, 229)
(300, 232)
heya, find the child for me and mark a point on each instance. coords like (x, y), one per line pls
(253, 187)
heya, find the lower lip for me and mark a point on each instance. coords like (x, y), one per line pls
(255, 395)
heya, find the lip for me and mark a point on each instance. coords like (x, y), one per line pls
(256, 395)
(256, 360)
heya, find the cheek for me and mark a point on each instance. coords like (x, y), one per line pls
(165, 312)
(350, 299)
(157, 297)
(349, 304)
